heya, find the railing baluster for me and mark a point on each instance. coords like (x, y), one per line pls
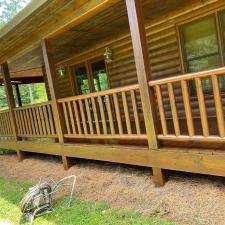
(31, 121)
(26, 122)
(66, 118)
(161, 110)
(135, 110)
(87, 106)
(202, 108)
(101, 107)
(109, 110)
(71, 117)
(1, 127)
(83, 117)
(218, 105)
(126, 111)
(42, 120)
(77, 117)
(95, 115)
(118, 113)
(51, 121)
(35, 121)
(187, 108)
(174, 109)
(46, 119)
(22, 122)
(4, 125)
(39, 120)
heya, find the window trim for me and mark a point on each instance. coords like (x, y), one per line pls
(219, 35)
(87, 64)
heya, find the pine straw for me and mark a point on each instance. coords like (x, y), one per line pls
(186, 198)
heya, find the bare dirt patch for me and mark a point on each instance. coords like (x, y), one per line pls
(186, 198)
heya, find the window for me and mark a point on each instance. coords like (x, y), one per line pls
(82, 80)
(201, 48)
(100, 76)
(91, 76)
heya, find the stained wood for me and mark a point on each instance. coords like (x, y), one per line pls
(187, 107)
(109, 110)
(118, 114)
(174, 109)
(218, 106)
(161, 110)
(138, 36)
(95, 115)
(202, 107)
(135, 111)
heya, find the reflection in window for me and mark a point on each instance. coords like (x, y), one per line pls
(100, 76)
(201, 51)
(82, 80)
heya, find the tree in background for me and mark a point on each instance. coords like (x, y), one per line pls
(9, 8)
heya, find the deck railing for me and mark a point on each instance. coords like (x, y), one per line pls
(35, 121)
(104, 115)
(174, 93)
(6, 126)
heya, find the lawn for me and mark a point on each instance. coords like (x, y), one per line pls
(81, 213)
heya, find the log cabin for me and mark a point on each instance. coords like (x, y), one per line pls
(138, 82)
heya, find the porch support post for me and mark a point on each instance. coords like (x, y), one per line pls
(54, 93)
(18, 95)
(142, 62)
(11, 104)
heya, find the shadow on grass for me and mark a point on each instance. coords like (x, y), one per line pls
(80, 213)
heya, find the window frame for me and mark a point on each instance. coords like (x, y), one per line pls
(220, 41)
(87, 64)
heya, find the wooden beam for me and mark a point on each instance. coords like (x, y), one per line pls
(54, 93)
(18, 95)
(142, 62)
(11, 103)
(159, 176)
(88, 10)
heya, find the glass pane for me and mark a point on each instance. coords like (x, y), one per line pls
(82, 80)
(222, 16)
(100, 76)
(204, 63)
(200, 45)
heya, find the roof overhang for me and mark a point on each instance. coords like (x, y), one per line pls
(21, 16)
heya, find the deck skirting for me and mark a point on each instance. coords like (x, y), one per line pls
(201, 161)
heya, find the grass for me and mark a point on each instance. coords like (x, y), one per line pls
(6, 152)
(81, 213)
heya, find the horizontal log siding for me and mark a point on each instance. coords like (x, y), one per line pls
(165, 62)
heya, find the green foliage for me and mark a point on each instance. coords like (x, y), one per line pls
(30, 94)
(9, 8)
(6, 152)
(81, 213)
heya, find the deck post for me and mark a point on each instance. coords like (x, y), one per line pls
(11, 105)
(54, 93)
(18, 95)
(142, 62)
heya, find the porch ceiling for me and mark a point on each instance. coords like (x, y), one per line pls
(103, 26)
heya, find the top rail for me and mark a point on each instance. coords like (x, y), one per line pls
(33, 105)
(188, 76)
(101, 93)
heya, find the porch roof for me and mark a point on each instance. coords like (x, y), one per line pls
(70, 25)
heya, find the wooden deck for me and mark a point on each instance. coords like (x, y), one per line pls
(110, 126)
(150, 122)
